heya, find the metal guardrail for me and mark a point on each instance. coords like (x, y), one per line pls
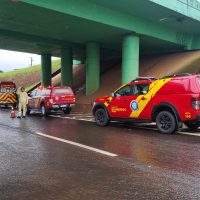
(191, 3)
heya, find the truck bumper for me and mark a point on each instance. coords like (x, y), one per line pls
(62, 106)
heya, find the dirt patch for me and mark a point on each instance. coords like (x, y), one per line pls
(154, 65)
(25, 79)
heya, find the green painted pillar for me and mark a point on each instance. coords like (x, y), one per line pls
(46, 69)
(92, 67)
(66, 67)
(130, 58)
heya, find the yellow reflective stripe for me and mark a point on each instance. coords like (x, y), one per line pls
(9, 97)
(2, 96)
(5, 96)
(12, 95)
(153, 89)
(13, 99)
(9, 100)
(109, 99)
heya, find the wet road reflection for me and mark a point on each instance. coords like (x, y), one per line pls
(175, 152)
(150, 165)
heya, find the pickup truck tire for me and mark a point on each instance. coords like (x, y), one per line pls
(166, 122)
(67, 111)
(101, 117)
(28, 111)
(44, 110)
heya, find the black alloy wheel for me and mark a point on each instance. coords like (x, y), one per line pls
(101, 117)
(67, 111)
(43, 110)
(166, 122)
(28, 111)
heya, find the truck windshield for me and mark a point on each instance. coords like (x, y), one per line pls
(7, 89)
(58, 91)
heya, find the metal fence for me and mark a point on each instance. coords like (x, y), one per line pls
(191, 3)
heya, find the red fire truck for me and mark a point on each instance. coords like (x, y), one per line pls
(8, 94)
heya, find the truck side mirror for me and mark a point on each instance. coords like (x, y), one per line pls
(29, 94)
(113, 94)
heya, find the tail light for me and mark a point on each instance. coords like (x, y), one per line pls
(196, 103)
(51, 101)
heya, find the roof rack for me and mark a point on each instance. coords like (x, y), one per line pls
(177, 75)
(144, 79)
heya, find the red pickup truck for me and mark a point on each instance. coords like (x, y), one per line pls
(46, 99)
(169, 101)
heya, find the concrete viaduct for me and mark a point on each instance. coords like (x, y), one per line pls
(92, 30)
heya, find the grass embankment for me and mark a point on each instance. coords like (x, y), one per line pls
(28, 76)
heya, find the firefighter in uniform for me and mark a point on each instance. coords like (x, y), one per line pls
(23, 101)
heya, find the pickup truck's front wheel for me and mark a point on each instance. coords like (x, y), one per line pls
(44, 110)
(101, 117)
(28, 111)
(166, 122)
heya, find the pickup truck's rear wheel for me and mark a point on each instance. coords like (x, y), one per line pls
(101, 117)
(166, 122)
(67, 111)
(193, 125)
(28, 111)
(44, 110)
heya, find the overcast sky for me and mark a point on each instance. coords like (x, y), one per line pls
(10, 60)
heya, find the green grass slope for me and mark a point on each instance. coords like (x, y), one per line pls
(28, 76)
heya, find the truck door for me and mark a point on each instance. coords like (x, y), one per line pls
(31, 101)
(119, 106)
(140, 106)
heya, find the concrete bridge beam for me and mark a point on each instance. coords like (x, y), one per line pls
(46, 69)
(130, 58)
(92, 67)
(67, 67)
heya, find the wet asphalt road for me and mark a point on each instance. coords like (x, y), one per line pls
(148, 165)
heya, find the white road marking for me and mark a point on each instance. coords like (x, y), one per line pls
(139, 127)
(85, 115)
(80, 119)
(187, 133)
(78, 144)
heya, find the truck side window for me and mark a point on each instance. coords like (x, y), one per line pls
(3, 89)
(46, 92)
(139, 89)
(38, 93)
(125, 91)
(33, 93)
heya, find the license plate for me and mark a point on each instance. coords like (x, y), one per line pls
(63, 106)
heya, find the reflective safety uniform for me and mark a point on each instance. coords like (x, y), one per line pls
(23, 101)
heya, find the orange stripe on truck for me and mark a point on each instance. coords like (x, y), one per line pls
(143, 100)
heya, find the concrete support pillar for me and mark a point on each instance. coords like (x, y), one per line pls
(130, 58)
(66, 67)
(46, 69)
(92, 68)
